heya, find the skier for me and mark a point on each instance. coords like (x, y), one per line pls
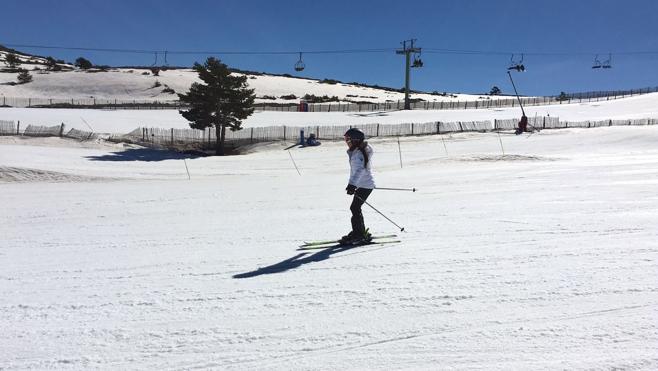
(523, 125)
(361, 184)
(312, 140)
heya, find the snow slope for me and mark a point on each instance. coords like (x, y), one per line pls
(543, 258)
(124, 121)
(140, 84)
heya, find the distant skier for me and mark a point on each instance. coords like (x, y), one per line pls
(523, 125)
(312, 140)
(361, 184)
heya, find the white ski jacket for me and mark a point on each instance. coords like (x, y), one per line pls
(360, 175)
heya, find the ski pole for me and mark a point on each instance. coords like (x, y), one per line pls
(397, 189)
(380, 213)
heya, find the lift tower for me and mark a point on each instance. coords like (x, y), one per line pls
(407, 51)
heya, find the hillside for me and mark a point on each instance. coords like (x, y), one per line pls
(141, 84)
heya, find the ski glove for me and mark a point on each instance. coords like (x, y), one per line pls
(350, 189)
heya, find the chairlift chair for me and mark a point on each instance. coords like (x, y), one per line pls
(417, 62)
(606, 63)
(516, 65)
(299, 66)
(597, 63)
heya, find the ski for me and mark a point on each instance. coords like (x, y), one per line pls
(317, 243)
(348, 246)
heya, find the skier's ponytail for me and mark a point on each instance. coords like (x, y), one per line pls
(362, 148)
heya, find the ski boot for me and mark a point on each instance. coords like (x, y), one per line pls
(347, 239)
(363, 239)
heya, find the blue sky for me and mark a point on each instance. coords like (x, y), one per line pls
(559, 39)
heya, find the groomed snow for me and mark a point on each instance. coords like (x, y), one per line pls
(542, 258)
(124, 121)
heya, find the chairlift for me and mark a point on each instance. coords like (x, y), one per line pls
(299, 66)
(417, 62)
(597, 62)
(156, 60)
(516, 65)
(605, 64)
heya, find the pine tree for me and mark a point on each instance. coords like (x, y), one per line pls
(83, 63)
(12, 60)
(52, 64)
(221, 101)
(24, 77)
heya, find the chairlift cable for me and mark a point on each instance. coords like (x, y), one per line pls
(338, 51)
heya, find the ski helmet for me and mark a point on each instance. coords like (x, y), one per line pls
(355, 135)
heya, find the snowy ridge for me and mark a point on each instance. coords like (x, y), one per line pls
(141, 84)
(13, 174)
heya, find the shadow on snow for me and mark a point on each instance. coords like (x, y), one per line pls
(142, 154)
(295, 262)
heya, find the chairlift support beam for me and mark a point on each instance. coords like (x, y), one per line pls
(516, 92)
(407, 51)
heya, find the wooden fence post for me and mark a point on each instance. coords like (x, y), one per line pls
(61, 130)
(172, 136)
(18, 129)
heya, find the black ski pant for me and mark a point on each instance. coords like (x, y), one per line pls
(360, 196)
